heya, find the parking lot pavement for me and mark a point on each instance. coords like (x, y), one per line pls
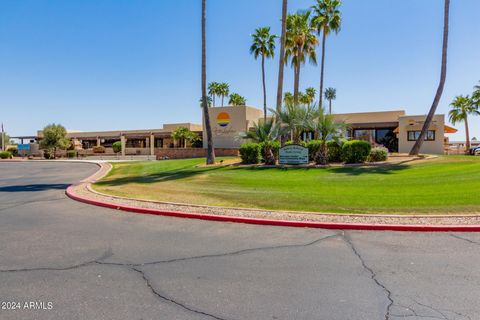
(68, 260)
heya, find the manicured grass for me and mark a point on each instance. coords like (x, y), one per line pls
(449, 184)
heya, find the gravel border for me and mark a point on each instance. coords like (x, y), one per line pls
(84, 189)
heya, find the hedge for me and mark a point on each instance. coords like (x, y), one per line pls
(334, 151)
(250, 153)
(5, 155)
(99, 149)
(313, 146)
(378, 154)
(355, 151)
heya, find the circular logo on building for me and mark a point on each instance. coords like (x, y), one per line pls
(223, 119)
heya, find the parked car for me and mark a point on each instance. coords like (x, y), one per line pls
(475, 151)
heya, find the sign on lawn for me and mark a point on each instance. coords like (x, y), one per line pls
(293, 154)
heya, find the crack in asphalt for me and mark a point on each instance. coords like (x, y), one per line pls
(373, 275)
(171, 300)
(464, 239)
(136, 267)
(105, 255)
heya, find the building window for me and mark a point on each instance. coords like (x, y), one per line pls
(414, 135)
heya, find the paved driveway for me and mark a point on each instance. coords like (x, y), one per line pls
(77, 261)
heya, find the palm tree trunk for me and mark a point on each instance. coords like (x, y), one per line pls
(418, 144)
(330, 106)
(208, 128)
(467, 136)
(281, 63)
(320, 97)
(222, 99)
(296, 83)
(264, 90)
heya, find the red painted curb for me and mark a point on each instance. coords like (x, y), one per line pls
(283, 223)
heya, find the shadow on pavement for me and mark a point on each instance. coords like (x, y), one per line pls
(34, 187)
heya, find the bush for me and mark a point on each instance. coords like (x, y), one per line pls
(355, 151)
(334, 151)
(5, 155)
(250, 153)
(71, 154)
(378, 154)
(13, 150)
(99, 149)
(275, 147)
(117, 146)
(313, 146)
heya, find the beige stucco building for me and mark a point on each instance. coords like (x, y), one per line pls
(392, 129)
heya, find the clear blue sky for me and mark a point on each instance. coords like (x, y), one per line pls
(117, 64)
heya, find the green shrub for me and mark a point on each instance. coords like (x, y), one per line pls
(99, 149)
(334, 151)
(275, 145)
(313, 146)
(355, 151)
(13, 150)
(71, 154)
(117, 146)
(250, 153)
(378, 154)
(5, 155)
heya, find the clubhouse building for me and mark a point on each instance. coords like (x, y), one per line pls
(392, 129)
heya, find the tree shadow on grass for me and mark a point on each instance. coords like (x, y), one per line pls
(34, 187)
(378, 169)
(349, 170)
(155, 177)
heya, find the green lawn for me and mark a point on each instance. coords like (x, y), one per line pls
(448, 184)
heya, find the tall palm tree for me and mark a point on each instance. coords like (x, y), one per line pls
(223, 90)
(237, 100)
(327, 18)
(462, 107)
(443, 75)
(263, 45)
(330, 94)
(213, 89)
(300, 45)
(208, 127)
(281, 63)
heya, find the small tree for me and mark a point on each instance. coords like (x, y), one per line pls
(326, 128)
(185, 134)
(54, 137)
(296, 119)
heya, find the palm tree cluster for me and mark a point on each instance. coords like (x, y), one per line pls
(218, 89)
(222, 90)
(306, 98)
(293, 120)
(298, 45)
(462, 107)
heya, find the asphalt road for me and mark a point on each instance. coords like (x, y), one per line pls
(85, 262)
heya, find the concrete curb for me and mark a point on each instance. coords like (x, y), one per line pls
(104, 169)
